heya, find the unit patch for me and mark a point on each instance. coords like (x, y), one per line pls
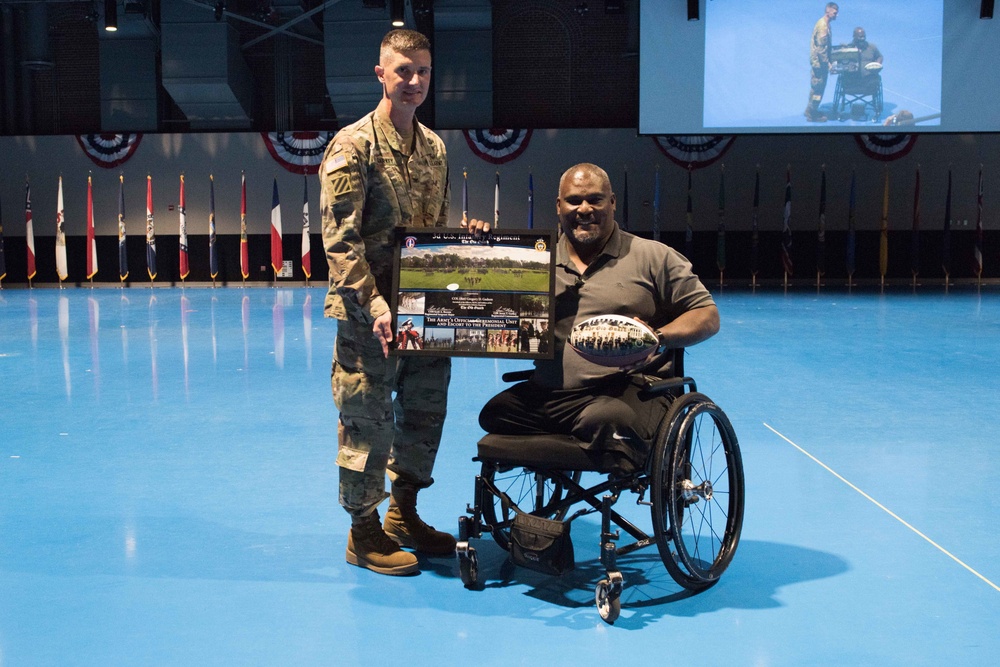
(340, 184)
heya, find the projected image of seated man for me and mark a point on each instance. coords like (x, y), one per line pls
(756, 62)
(859, 83)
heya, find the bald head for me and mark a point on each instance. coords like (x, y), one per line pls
(586, 209)
(582, 171)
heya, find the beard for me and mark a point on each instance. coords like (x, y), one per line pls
(587, 235)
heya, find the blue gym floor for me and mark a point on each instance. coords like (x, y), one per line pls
(168, 494)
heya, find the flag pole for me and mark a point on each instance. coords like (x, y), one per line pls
(720, 244)
(978, 247)
(786, 227)
(755, 234)
(91, 242)
(915, 231)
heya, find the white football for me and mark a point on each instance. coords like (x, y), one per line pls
(613, 340)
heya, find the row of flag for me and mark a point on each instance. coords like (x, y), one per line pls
(786, 230)
(276, 228)
(946, 259)
(62, 264)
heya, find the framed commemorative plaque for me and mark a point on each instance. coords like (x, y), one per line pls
(458, 295)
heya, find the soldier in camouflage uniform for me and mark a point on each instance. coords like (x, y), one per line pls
(820, 47)
(385, 170)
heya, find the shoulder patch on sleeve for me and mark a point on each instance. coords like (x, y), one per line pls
(335, 162)
(340, 184)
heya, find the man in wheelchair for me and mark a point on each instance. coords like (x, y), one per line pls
(601, 270)
(859, 81)
(866, 75)
(635, 424)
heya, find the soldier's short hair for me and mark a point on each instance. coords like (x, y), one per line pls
(833, 5)
(402, 41)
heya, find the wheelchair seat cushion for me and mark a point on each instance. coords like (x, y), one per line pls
(542, 452)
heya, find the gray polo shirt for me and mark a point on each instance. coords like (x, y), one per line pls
(632, 276)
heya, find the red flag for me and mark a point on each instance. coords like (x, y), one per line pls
(29, 230)
(91, 241)
(244, 245)
(276, 257)
(306, 261)
(185, 266)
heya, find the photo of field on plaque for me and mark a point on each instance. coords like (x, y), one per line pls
(459, 295)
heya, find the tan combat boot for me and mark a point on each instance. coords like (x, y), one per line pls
(368, 546)
(404, 526)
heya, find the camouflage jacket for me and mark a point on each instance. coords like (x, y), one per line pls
(369, 186)
(821, 44)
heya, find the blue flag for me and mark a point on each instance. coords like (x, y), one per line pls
(531, 202)
(915, 232)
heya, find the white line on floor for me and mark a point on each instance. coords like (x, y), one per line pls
(883, 508)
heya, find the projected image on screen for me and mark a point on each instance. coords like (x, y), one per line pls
(815, 65)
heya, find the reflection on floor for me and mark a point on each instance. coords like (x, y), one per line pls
(168, 494)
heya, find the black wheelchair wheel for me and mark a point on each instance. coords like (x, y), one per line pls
(697, 492)
(533, 492)
(468, 568)
(609, 604)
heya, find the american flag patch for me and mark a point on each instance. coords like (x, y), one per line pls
(336, 162)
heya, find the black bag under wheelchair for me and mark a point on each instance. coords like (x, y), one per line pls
(693, 478)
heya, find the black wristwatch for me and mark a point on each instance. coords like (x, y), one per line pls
(662, 345)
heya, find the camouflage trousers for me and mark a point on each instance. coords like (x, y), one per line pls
(817, 86)
(379, 434)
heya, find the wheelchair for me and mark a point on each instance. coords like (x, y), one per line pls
(854, 89)
(693, 477)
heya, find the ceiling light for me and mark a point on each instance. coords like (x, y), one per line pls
(692, 10)
(398, 12)
(111, 15)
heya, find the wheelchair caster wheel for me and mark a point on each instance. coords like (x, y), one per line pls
(468, 567)
(609, 605)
